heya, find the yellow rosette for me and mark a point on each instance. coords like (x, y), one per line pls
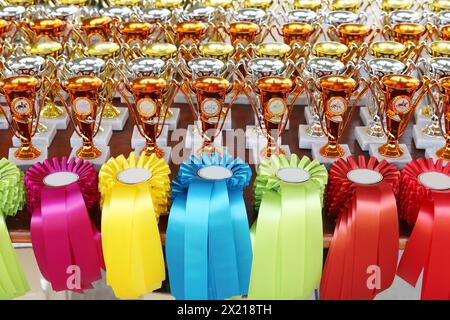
(134, 193)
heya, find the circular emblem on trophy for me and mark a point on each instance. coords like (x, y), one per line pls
(22, 105)
(337, 105)
(146, 107)
(83, 106)
(210, 107)
(276, 107)
(401, 104)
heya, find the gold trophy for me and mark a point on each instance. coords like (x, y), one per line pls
(338, 51)
(349, 5)
(21, 94)
(392, 5)
(217, 50)
(299, 32)
(399, 92)
(335, 114)
(210, 104)
(314, 5)
(272, 110)
(88, 103)
(279, 50)
(436, 6)
(438, 49)
(406, 33)
(395, 50)
(150, 94)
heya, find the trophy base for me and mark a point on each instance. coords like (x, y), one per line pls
(119, 122)
(172, 122)
(364, 140)
(423, 141)
(3, 122)
(101, 139)
(256, 157)
(257, 123)
(315, 152)
(167, 152)
(430, 153)
(365, 116)
(400, 162)
(60, 123)
(194, 140)
(138, 141)
(40, 138)
(422, 114)
(305, 140)
(97, 162)
(25, 164)
(254, 138)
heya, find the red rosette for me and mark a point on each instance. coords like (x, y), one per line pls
(362, 257)
(425, 203)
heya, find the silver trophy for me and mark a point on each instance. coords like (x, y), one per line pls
(336, 18)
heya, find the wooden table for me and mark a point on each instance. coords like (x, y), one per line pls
(242, 115)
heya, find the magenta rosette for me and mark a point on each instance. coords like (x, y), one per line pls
(67, 245)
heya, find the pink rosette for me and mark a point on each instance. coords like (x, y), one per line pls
(66, 243)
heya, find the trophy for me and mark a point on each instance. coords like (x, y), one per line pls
(373, 133)
(88, 103)
(303, 15)
(210, 104)
(336, 50)
(313, 5)
(279, 50)
(335, 111)
(96, 29)
(347, 33)
(436, 6)
(441, 103)
(316, 68)
(186, 32)
(22, 93)
(254, 15)
(244, 32)
(149, 95)
(135, 33)
(349, 5)
(399, 92)
(405, 33)
(169, 4)
(259, 4)
(392, 5)
(217, 50)
(402, 16)
(298, 32)
(335, 18)
(440, 19)
(428, 134)
(439, 33)
(272, 110)
(394, 50)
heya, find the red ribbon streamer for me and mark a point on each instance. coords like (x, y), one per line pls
(362, 257)
(428, 246)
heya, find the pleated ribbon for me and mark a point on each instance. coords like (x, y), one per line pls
(12, 198)
(428, 247)
(288, 235)
(362, 257)
(62, 232)
(208, 246)
(130, 235)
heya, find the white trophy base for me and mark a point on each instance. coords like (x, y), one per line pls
(167, 152)
(40, 139)
(194, 140)
(119, 122)
(305, 140)
(423, 141)
(257, 158)
(400, 162)
(97, 162)
(430, 153)
(3, 121)
(138, 141)
(419, 116)
(254, 138)
(364, 140)
(60, 122)
(25, 164)
(172, 122)
(101, 139)
(257, 123)
(315, 152)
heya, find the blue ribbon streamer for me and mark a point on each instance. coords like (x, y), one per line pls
(208, 246)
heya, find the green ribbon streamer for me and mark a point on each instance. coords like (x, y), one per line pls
(287, 237)
(12, 198)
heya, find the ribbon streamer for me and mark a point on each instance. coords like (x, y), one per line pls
(428, 246)
(362, 257)
(208, 246)
(12, 198)
(66, 243)
(288, 235)
(130, 214)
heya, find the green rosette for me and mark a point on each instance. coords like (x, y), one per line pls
(287, 235)
(12, 198)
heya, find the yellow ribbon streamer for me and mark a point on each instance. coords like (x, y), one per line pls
(130, 236)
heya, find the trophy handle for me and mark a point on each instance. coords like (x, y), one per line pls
(215, 32)
(361, 81)
(187, 51)
(386, 32)
(433, 31)
(375, 31)
(169, 33)
(186, 89)
(277, 30)
(332, 33)
(316, 106)
(296, 91)
(51, 84)
(237, 87)
(266, 29)
(109, 91)
(26, 31)
(319, 31)
(438, 105)
(254, 106)
(411, 66)
(168, 99)
(353, 51)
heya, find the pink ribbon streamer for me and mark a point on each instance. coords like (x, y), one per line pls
(62, 233)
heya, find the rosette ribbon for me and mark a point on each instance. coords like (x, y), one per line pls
(428, 209)
(287, 236)
(65, 241)
(362, 257)
(208, 246)
(130, 215)
(12, 197)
